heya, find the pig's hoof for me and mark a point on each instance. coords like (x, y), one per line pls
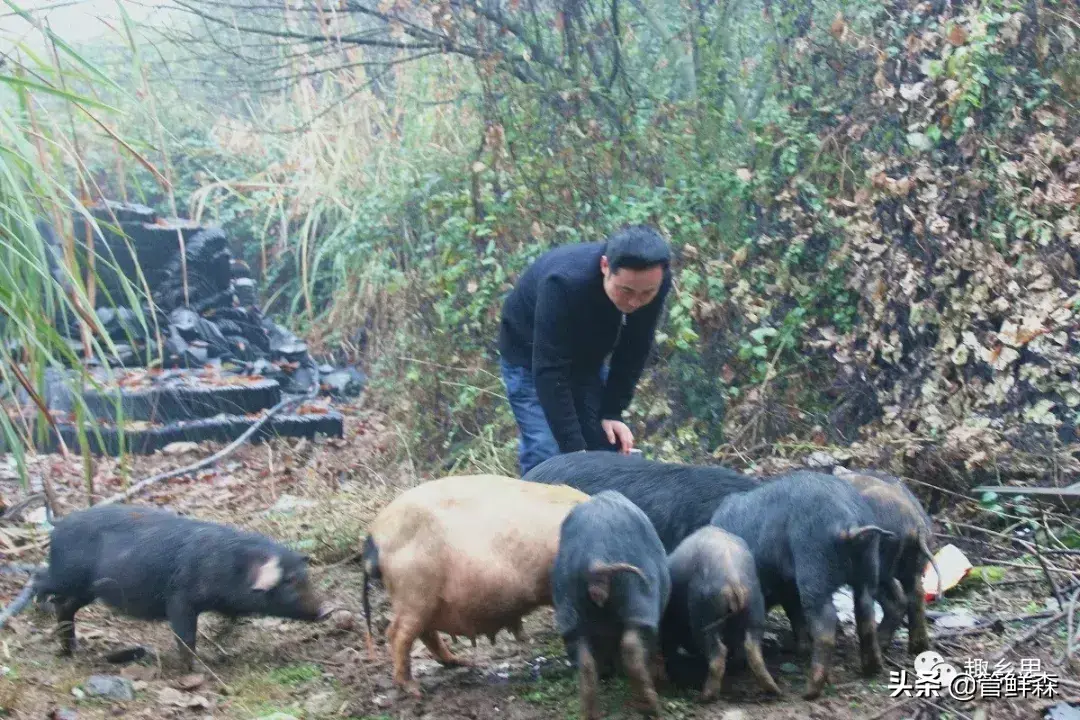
(650, 707)
(871, 665)
(412, 689)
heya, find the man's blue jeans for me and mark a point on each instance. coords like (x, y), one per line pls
(536, 443)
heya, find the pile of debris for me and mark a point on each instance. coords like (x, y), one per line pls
(224, 363)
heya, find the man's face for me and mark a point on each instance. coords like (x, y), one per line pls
(631, 289)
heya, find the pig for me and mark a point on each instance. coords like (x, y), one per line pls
(467, 555)
(716, 603)
(152, 564)
(610, 585)
(902, 557)
(677, 498)
(810, 533)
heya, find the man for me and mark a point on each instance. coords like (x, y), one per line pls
(568, 311)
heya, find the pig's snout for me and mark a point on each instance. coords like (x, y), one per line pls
(310, 605)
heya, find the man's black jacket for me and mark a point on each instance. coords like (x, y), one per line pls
(559, 322)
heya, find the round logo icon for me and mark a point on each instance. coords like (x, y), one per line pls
(932, 669)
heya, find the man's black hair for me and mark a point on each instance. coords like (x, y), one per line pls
(637, 247)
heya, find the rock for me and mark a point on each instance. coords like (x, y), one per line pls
(1062, 711)
(320, 704)
(344, 383)
(820, 459)
(105, 211)
(38, 516)
(961, 617)
(63, 714)
(288, 504)
(735, 714)
(112, 687)
(844, 602)
(179, 448)
(278, 716)
(300, 381)
(382, 701)
(177, 698)
(345, 620)
(189, 682)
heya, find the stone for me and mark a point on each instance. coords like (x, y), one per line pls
(112, 687)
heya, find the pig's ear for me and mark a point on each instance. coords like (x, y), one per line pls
(267, 573)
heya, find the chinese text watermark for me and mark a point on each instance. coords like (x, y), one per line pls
(978, 680)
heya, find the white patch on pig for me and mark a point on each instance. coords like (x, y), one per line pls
(269, 574)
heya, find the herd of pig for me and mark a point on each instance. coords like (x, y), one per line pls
(661, 569)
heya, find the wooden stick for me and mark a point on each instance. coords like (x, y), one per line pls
(206, 462)
(20, 601)
(1046, 570)
(891, 708)
(1027, 635)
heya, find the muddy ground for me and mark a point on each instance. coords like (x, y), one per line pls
(326, 492)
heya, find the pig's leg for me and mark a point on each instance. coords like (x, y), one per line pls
(893, 604)
(658, 670)
(66, 607)
(184, 620)
(716, 651)
(408, 630)
(869, 650)
(633, 654)
(799, 630)
(752, 645)
(518, 631)
(822, 616)
(588, 680)
(918, 635)
(391, 629)
(434, 642)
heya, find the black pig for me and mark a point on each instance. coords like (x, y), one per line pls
(716, 604)
(902, 556)
(152, 564)
(677, 498)
(609, 586)
(811, 533)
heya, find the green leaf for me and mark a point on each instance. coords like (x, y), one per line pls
(763, 332)
(919, 141)
(40, 87)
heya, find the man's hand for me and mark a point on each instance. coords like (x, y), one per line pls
(616, 430)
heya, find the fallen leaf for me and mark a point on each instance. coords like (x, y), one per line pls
(179, 448)
(190, 682)
(838, 28)
(957, 35)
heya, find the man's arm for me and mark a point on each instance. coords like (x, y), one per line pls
(552, 361)
(628, 360)
(589, 399)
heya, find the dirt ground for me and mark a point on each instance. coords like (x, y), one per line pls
(326, 493)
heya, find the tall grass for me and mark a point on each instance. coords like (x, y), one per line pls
(344, 154)
(46, 112)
